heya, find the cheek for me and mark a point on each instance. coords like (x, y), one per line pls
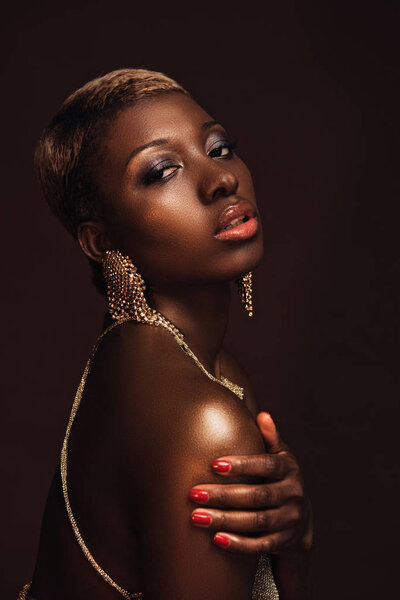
(168, 232)
(172, 223)
(165, 234)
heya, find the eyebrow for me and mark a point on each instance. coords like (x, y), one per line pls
(208, 124)
(159, 142)
(162, 141)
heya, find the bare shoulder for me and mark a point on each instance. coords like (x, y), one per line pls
(160, 398)
(165, 423)
(151, 400)
(132, 358)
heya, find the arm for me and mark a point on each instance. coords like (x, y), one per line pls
(170, 430)
(186, 562)
(284, 525)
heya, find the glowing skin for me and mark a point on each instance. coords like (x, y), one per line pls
(166, 220)
(141, 442)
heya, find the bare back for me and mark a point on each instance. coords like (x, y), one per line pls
(149, 426)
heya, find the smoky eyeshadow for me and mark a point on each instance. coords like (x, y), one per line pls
(153, 166)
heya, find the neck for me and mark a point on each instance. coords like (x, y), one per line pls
(201, 312)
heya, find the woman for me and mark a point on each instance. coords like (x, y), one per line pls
(164, 209)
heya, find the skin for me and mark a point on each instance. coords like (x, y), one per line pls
(144, 442)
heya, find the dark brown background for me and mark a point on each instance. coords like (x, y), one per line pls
(311, 91)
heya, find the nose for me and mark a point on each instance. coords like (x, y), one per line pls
(218, 181)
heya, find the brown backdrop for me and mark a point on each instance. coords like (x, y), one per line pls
(312, 94)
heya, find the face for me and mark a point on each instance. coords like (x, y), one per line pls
(168, 174)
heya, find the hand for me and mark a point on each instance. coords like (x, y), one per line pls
(277, 510)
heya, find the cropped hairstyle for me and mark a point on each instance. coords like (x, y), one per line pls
(69, 149)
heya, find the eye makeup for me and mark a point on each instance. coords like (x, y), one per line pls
(155, 173)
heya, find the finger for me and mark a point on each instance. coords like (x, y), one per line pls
(265, 521)
(270, 433)
(269, 466)
(265, 544)
(245, 495)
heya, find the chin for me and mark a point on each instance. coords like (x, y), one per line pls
(258, 260)
(254, 252)
(247, 259)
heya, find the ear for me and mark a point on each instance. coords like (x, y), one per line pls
(93, 239)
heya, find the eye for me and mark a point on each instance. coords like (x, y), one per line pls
(160, 173)
(224, 150)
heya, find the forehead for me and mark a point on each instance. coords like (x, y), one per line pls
(169, 115)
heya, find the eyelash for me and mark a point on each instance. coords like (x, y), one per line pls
(231, 145)
(153, 175)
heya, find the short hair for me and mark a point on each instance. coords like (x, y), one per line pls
(69, 148)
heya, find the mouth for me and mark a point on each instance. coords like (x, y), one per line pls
(237, 222)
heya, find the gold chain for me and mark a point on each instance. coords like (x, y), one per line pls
(24, 593)
(233, 387)
(236, 389)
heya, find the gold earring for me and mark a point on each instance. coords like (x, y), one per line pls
(244, 285)
(125, 288)
(125, 293)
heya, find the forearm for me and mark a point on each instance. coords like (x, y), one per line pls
(291, 572)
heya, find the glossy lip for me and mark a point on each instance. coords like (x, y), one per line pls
(235, 211)
(239, 232)
(244, 231)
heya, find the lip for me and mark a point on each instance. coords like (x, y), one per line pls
(243, 230)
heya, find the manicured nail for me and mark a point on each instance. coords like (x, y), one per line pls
(198, 495)
(221, 540)
(222, 466)
(201, 518)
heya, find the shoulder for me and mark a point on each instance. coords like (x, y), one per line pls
(171, 436)
(157, 398)
(217, 422)
(132, 358)
(135, 339)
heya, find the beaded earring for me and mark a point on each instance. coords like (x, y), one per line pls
(125, 293)
(244, 285)
(125, 287)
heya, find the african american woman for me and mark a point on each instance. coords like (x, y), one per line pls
(171, 485)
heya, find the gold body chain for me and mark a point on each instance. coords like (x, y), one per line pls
(236, 389)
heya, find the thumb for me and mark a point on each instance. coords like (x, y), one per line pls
(270, 433)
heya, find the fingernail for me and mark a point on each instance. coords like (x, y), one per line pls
(264, 412)
(222, 466)
(198, 495)
(201, 518)
(221, 540)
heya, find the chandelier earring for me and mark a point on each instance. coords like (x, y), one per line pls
(125, 288)
(125, 293)
(245, 289)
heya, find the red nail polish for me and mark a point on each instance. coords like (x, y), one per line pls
(201, 518)
(198, 495)
(222, 466)
(221, 540)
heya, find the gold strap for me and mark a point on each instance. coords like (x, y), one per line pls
(236, 389)
(24, 593)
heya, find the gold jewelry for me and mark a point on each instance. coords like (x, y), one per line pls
(125, 288)
(125, 293)
(126, 300)
(127, 303)
(244, 285)
(24, 593)
(236, 389)
(122, 280)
